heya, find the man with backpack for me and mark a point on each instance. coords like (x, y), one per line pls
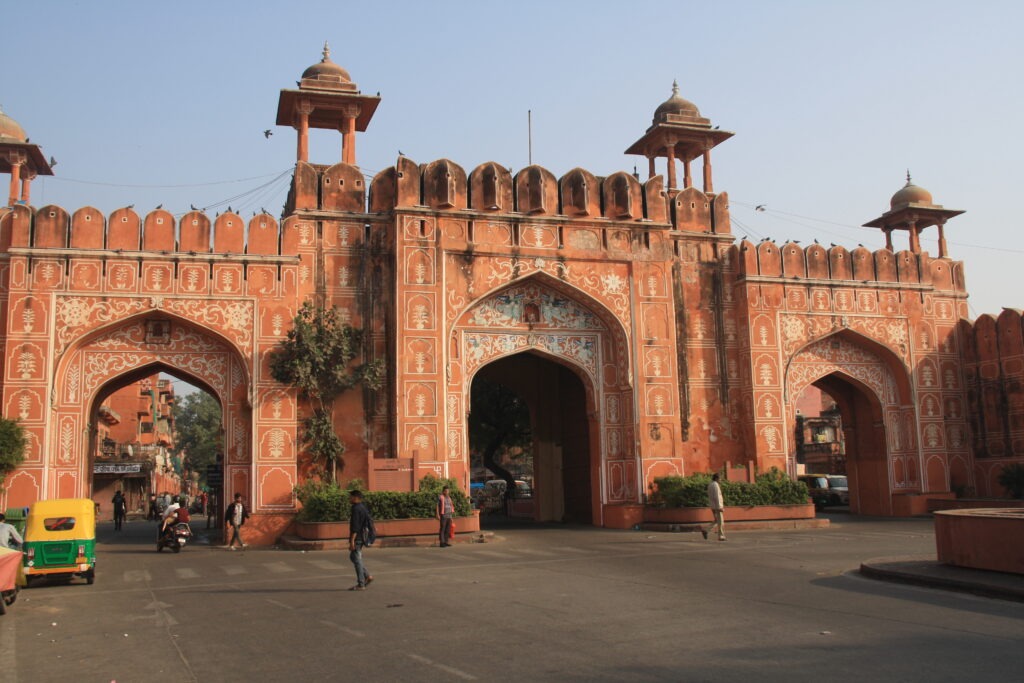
(360, 533)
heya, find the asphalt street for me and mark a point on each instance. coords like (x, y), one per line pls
(546, 603)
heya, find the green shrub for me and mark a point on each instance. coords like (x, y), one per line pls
(1011, 478)
(770, 488)
(329, 502)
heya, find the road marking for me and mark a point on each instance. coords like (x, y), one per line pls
(531, 551)
(495, 554)
(186, 573)
(234, 569)
(570, 549)
(447, 669)
(136, 575)
(279, 604)
(278, 567)
(327, 564)
(345, 629)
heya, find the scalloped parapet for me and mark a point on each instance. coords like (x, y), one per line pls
(790, 261)
(87, 230)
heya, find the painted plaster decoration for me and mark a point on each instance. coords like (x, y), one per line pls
(483, 347)
(772, 438)
(509, 308)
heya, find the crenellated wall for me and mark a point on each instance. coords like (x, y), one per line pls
(881, 327)
(994, 370)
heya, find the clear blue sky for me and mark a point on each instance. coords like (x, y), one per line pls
(831, 102)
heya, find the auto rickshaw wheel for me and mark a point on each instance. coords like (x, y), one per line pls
(90, 577)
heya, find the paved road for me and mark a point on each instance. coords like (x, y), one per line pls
(568, 604)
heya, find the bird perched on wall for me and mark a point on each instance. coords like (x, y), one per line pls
(229, 210)
(400, 153)
(159, 206)
(130, 206)
(53, 162)
(262, 210)
(760, 207)
(267, 133)
(194, 208)
(815, 240)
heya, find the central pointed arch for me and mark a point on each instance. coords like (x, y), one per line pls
(549, 318)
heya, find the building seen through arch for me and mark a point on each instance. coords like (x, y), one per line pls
(646, 338)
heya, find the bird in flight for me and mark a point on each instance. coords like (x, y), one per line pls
(267, 133)
(53, 162)
(760, 207)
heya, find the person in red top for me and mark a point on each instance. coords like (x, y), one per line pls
(445, 512)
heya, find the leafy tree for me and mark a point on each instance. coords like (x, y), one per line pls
(1011, 478)
(12, 447)
(499, 421)
(198, 431)
(317, 359)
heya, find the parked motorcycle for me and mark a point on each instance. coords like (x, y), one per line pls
(174, 537)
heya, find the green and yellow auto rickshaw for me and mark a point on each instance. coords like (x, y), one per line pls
(60, 540)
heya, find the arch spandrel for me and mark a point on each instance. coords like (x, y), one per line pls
(616, 325)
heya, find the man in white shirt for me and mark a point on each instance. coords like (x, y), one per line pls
(7, 532)
(717, 506)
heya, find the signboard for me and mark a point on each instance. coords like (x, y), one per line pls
(214, 476)
(117, 468)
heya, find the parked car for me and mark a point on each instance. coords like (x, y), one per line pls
(839, 489)
(817, 487)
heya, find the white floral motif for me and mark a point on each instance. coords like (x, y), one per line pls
(613, 283)
(28, 317)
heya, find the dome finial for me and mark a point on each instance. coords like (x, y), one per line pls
(908, 177)
(675, 88)
(327, 52)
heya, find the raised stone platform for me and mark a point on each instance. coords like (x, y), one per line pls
(288, 542)
(984, 538)
(774, 524)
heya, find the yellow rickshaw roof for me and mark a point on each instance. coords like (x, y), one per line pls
(82, 509)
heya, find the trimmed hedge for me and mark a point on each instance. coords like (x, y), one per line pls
(329, 502)
(770, 488)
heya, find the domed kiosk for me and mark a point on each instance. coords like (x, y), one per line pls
(20, 158)
(913, 209)
(326, 98)
(678, 131)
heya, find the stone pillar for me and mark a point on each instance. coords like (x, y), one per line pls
(15, 179)
(670, 153)
(348, 135)
(708, 188)
(888, 238)
(302, 153)
(25, 187)
(915, 237)
(943, 250)
(650, 167)
(687, 178)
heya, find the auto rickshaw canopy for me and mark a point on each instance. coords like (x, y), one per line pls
(61, 519)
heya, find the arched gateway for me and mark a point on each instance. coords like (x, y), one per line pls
(674, 348)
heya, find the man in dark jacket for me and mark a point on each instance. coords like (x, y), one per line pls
(120, 509)
(235, 517)
(359, 526)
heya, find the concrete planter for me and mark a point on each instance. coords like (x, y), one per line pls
(321, 531)
(732, 514)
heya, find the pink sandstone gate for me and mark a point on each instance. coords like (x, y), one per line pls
(548, 317)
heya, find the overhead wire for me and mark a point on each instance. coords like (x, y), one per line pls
(164, 187)
(778, 213)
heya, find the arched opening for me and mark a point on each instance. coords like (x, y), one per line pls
(155, 434)
(555, 455)
(864, 456)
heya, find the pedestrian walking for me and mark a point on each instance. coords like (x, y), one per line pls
(236, 515)
(717, 509)
(360, 534)
(154, 509)
(120, 509)
(445, 512)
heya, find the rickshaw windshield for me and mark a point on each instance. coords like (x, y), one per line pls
(59, 523)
